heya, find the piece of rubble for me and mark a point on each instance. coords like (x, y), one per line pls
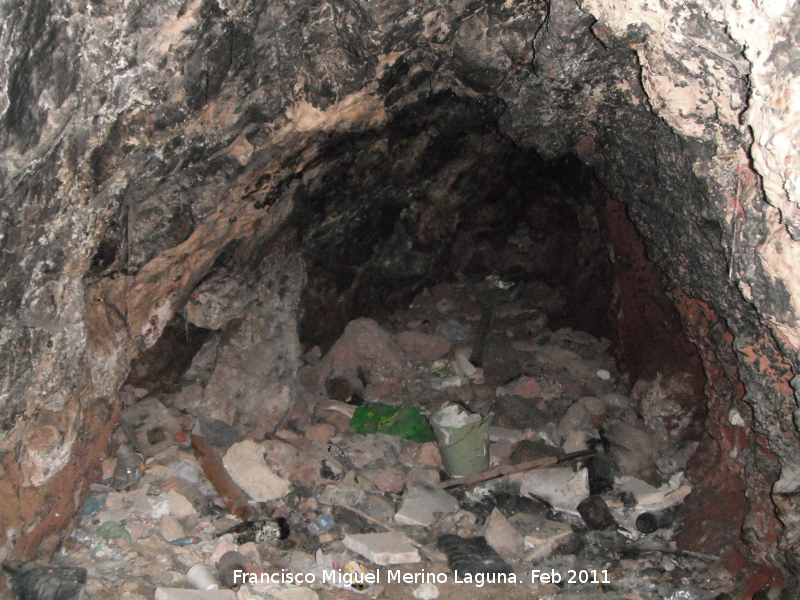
(246, 465)
(388, 480)
(224, 545)
(343, 387)
(455, 331)
(170, 528)
(632, 448)
(217, 432)
(649, 498)
(423, 346)
(578, 441)
(463, 365)
(338, 414)
(501, 535)
(545, 539)
(179, 506)
(562, 488)
(512, 411)
(321, 433)
(341, 495)
(422, 502)
(530, 450)
(523, 387)
(150, 426)
(584, 415)
(471, 555)
(365, 348)
(428, 455)
(502, 433)
(388, 548)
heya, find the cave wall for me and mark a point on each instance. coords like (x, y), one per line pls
(142, 141)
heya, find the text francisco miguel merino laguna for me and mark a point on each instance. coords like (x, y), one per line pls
(338, 578)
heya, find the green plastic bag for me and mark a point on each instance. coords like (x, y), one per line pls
(403, 421)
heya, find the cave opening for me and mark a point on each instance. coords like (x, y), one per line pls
(413, 226)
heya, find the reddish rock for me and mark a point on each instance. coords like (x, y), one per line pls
(321, 433)
(387, 480)
(364, 348)
(428, 456)
(524, 387)
(423, 346)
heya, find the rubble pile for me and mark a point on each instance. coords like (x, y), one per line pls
(578, 495)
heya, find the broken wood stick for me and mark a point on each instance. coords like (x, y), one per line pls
(229, 492)
(503, 470)
(484, 329)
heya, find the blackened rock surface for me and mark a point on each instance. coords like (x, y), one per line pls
(471, 556)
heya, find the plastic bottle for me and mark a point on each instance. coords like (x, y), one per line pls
(128, 471)
(320, 524)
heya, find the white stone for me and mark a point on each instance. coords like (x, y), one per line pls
(246, 465)
(603, 374)
(576, 441)
(423, 501)
(171, 529)
(427, 591)
(562, 488)
(501, 433)
(501, 535)
(179, 506)
(543, 540)
(388, 548)
(225, 544)
(735, 418)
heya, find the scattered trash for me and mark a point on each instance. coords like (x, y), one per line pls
(320, 524)
(33, 581)
(561, 473)
(185, 541)
(111, 530)
(94, 504)
(260, 531)
(200, 577)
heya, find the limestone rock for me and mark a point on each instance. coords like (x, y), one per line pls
(423, 503)
(562, 488)
(501, 535)
(246, 465)
(366, 348)
(386, 548)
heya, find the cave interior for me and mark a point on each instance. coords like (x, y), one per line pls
(255, 176)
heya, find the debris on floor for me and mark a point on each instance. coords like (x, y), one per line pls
(576, 490)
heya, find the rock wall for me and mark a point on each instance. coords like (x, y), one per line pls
(143, 142)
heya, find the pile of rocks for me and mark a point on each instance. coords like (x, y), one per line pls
(319, 510)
